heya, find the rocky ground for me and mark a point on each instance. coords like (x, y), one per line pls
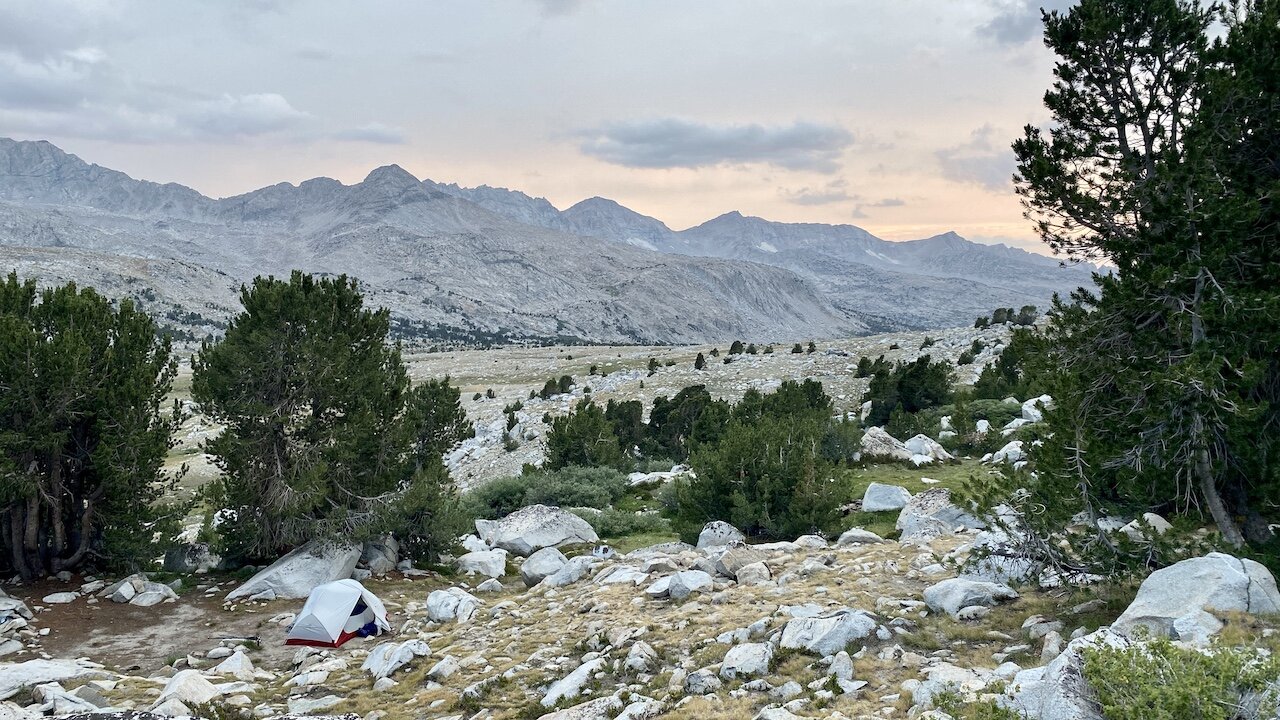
(855, 627)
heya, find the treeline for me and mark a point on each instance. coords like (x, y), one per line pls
(325, 436)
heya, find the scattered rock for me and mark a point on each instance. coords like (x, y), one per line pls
(490, 563)
(541, 564)
(747, 660)
(718, 533)
(952, 595)
(880, 498)
(452, 605)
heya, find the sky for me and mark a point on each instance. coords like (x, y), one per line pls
(895, 116)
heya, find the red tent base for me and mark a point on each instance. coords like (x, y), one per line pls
(320, 643)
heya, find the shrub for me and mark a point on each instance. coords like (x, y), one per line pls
(796, 349)
(614, 523)
(1161, 681)
(736, 348)
(568, 487)
(699, 362)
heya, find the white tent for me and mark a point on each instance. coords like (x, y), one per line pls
(335, 613)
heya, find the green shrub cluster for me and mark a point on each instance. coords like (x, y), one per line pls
(593, 487)
(1162, 681)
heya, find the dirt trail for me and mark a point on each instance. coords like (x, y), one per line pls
(141, 640)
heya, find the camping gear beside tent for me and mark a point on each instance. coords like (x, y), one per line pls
(336, 612)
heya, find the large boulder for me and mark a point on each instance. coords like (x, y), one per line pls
(489, 563)
(993, 557)
(931, 514)
(737, 557)
(381, 555)
(925, 450)
(451, 605)
(295, 575)
(535, 527)
(541, 564)
(188, 687)
(952, 595)
(827, 633)
(571, 572)
(1012, 452)
(680, 585)
(1059, 691)
(571, 685)
(880, 497)
(878, 444)
(1174, 601)
(16, 677)
(718, 533)
(388, 657)
(859, 536)
(1032, 410)
(747, 660)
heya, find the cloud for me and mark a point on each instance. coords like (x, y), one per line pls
(374, 133)
(859, 210)
(677, 143)
(1019, 21)
(982, 161)
(835, 191)
(560, 7)
(242, 115)
(313, 53)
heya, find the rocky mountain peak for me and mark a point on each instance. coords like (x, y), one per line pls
(391, 176)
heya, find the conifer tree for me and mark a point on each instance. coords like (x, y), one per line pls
(83, 430)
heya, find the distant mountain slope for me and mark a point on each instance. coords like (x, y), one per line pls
(935, 282)
(450, 268)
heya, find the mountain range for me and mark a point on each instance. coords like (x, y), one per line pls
(489, 265)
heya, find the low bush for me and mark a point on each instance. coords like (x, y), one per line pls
(569, 487)
(1162, 681)
(614, 523)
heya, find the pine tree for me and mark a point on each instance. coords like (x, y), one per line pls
(1163, 161)
(83, 433)
(324, 435)
(584, 437)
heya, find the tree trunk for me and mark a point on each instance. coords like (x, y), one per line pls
(16, 547)
(31, 536)
(56, 493)
(1209, 487)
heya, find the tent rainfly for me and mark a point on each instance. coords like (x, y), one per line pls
(336, 612)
